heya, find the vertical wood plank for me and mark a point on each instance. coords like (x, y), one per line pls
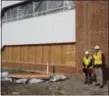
(70, 54)
(26, 53)
(57, 56)
(6, 53)
(32, 54)
(22, 53)
(45, 54)
(63, 54)
(52, 54)
(39, 54)
(10, 53)
(3, 55)
(18, 53)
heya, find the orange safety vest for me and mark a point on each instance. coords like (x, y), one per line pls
(98, 58)
(87, 61)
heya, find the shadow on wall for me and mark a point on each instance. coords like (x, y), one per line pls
(105, 71)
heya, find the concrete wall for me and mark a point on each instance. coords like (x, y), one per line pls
(91, 28)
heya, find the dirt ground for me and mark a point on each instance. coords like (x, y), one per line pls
(74, 85)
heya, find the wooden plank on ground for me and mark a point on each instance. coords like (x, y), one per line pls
(30, 76)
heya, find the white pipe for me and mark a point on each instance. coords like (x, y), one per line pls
(47, 71)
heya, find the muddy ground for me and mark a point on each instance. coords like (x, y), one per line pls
(74, 85)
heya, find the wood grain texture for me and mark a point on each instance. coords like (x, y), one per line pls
(59, 54)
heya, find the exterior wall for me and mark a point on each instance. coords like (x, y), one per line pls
(91, 28)
(43, 29)
(35, 57)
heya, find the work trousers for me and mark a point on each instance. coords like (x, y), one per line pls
(88, 75)
(99, 75)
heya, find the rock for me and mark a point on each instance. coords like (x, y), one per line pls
(15, 93)
(62, 92)
(21, 81)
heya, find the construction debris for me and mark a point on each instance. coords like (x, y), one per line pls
(31, 78)
(21, 81)
(15, 93)
(35, 81)
(4, 76)
(58, 78)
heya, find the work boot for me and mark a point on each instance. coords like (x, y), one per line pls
(101, 86)
(97, 84)
(90, 81)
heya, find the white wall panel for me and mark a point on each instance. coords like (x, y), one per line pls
(53, 28)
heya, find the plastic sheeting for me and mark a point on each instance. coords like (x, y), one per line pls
(4, 77)
(53, 78)
(32, 81)
(58, 78)
(21, 81)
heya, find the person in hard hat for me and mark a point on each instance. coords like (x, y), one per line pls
(98, 66)
(87, 67)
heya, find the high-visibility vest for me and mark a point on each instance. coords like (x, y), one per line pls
(87, 61)
(98, 58)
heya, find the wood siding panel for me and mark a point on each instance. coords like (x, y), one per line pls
(31, 54)
(52, 54)
(25, 54)
(39, 54)
(22, 54)
(70, 55)
(63, 54)
(57, 54)
(17, 54)
(3, 55)
(10, 53)
(34, 54)
(13, 54)
(6, 53)
(46, 54)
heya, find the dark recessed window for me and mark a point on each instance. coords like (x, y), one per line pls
(36, 8)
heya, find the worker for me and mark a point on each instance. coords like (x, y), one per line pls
(98, 66)
(87, 68)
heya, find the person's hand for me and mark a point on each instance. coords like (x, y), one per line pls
(85, 67)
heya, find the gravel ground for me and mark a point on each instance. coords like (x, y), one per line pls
(72, 86)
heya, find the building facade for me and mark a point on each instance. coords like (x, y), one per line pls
(58, 32)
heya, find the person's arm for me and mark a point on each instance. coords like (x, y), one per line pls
(93, 61)
(83, 64)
